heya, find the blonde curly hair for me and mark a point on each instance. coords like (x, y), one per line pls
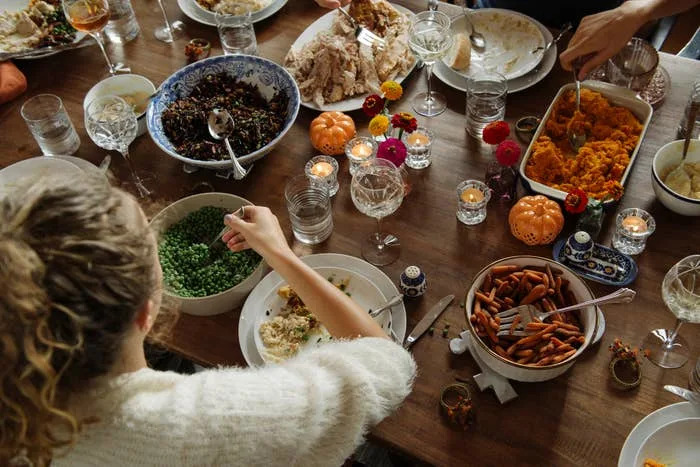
(74, 271)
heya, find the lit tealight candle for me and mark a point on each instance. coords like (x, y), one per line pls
(634, 224)
(472, 195)
(361, 150)
(417, 139)
(322, 169)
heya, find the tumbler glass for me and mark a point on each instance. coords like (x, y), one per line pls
(50, 125)
(309, 206)
(486, 100)
(236, 33)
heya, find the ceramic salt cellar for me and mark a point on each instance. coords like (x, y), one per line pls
(413, 283)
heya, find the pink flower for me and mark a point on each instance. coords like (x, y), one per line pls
(507, 153)
(392, 150)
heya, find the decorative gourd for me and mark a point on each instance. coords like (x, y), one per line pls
(536, 220)
(330, 131)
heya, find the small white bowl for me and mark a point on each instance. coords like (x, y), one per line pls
(669, 156)
(230, 298)
(122, 85)
(675, 443)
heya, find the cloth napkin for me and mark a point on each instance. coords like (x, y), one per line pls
(12, 82)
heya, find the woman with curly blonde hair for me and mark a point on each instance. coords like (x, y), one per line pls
(80, 291)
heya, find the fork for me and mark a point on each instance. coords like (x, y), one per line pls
(528, 313)
(362, 34)
(240, 213)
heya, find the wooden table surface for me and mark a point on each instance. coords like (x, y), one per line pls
(576, 419)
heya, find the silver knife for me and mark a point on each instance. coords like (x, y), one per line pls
(690, 396)
(428, 320)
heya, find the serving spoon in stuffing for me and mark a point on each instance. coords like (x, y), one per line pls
(221, 126)
(577, 136)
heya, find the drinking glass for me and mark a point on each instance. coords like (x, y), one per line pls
(486, 100)
(681, 293)
(91, 16)
(430, 37)
(170, 31)
(695, 377)
(634, 65)
(236, 33)
(111, 124)
(377, 190)
(309, 207)
(50, 125)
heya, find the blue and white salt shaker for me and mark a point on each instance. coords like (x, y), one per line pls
(413, 283)
(579, 247)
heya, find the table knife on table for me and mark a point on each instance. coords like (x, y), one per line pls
(425, 323)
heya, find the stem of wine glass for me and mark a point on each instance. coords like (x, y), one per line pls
(143, 191)
(380, 240)
(98, 38)
(668, 345)
(165, 17)
(429, 73)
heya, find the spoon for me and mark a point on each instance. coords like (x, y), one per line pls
(389, 304)
(577, 138)
(564, 29)
(689, 127)
(220, 128)
(476, 38)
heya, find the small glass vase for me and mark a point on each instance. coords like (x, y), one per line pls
(591, 220)
(502, 180)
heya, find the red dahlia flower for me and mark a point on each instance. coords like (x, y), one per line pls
(576, 201)
(373, 105)
(507, 153)
(392, 150)
(404, 121)
(496, 132)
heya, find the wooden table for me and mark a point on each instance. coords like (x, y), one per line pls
(574, 419)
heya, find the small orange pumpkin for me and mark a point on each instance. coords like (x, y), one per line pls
(536, 220)
(331, 131)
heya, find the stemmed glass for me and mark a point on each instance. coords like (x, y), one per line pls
(377, 190)
(111, 124)
(91, 16)
(681, 293)
(430, 38)
(170, 31)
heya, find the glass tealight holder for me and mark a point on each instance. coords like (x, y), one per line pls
(472, 198)
(360, 149)
(323, 170)
(419, 145)
(632, 228)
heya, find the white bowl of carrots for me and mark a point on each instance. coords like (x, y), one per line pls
(553, 346)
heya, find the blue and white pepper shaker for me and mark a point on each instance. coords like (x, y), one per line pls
(579, 247)
(413, 283)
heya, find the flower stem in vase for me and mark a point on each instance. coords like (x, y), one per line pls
(502, 180)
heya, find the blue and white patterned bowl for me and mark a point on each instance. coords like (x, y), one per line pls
(268, 76)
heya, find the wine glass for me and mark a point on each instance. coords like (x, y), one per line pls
(111, 124)
(377, 190)
(91, 16)
(430, 38)
(681, 293)
(170, 31)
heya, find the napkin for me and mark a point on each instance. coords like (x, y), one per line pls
(12, 82)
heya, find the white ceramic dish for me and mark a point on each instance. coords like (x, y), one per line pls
(516, 371)
(121, 85)
(675, 443)
(362, 291)
(33, 168)
(617, 96)
(511, 38)
(324, 23)
(254, 307)
(223, 301)
(670, 155)
(85, 166)
(195, 12)
(649, 425)
(458, 81)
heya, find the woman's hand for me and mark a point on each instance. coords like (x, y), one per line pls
(603, 35)
(332, 3)
(259, 230)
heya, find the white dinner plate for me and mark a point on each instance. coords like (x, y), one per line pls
(36, 167)
(361, 290)
(324, 23)
(458, 81)
(255, 305)
(677, 443)
(200, 15)
(649, 425)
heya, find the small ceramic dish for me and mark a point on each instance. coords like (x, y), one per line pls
(605, 265)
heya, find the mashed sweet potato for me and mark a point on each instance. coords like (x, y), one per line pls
(612, 134)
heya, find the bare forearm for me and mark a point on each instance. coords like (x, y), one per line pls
(654, 9)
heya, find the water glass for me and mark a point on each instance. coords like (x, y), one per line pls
(632, 228)
(50, 125)
(324, 171)
(122, 26)
(634, 65)
(695, 377)
(694, 98)
(419, 147)
(360, 149)
(472, 198)
(236, 33)
(309, 206)
(486, 100)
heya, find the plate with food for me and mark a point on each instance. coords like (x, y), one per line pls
(651, 424)
(275, 325)
(615, 122)
(335, 72)
(203, 11)
(34, 29)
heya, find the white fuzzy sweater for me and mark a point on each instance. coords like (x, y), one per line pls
(311, 410)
